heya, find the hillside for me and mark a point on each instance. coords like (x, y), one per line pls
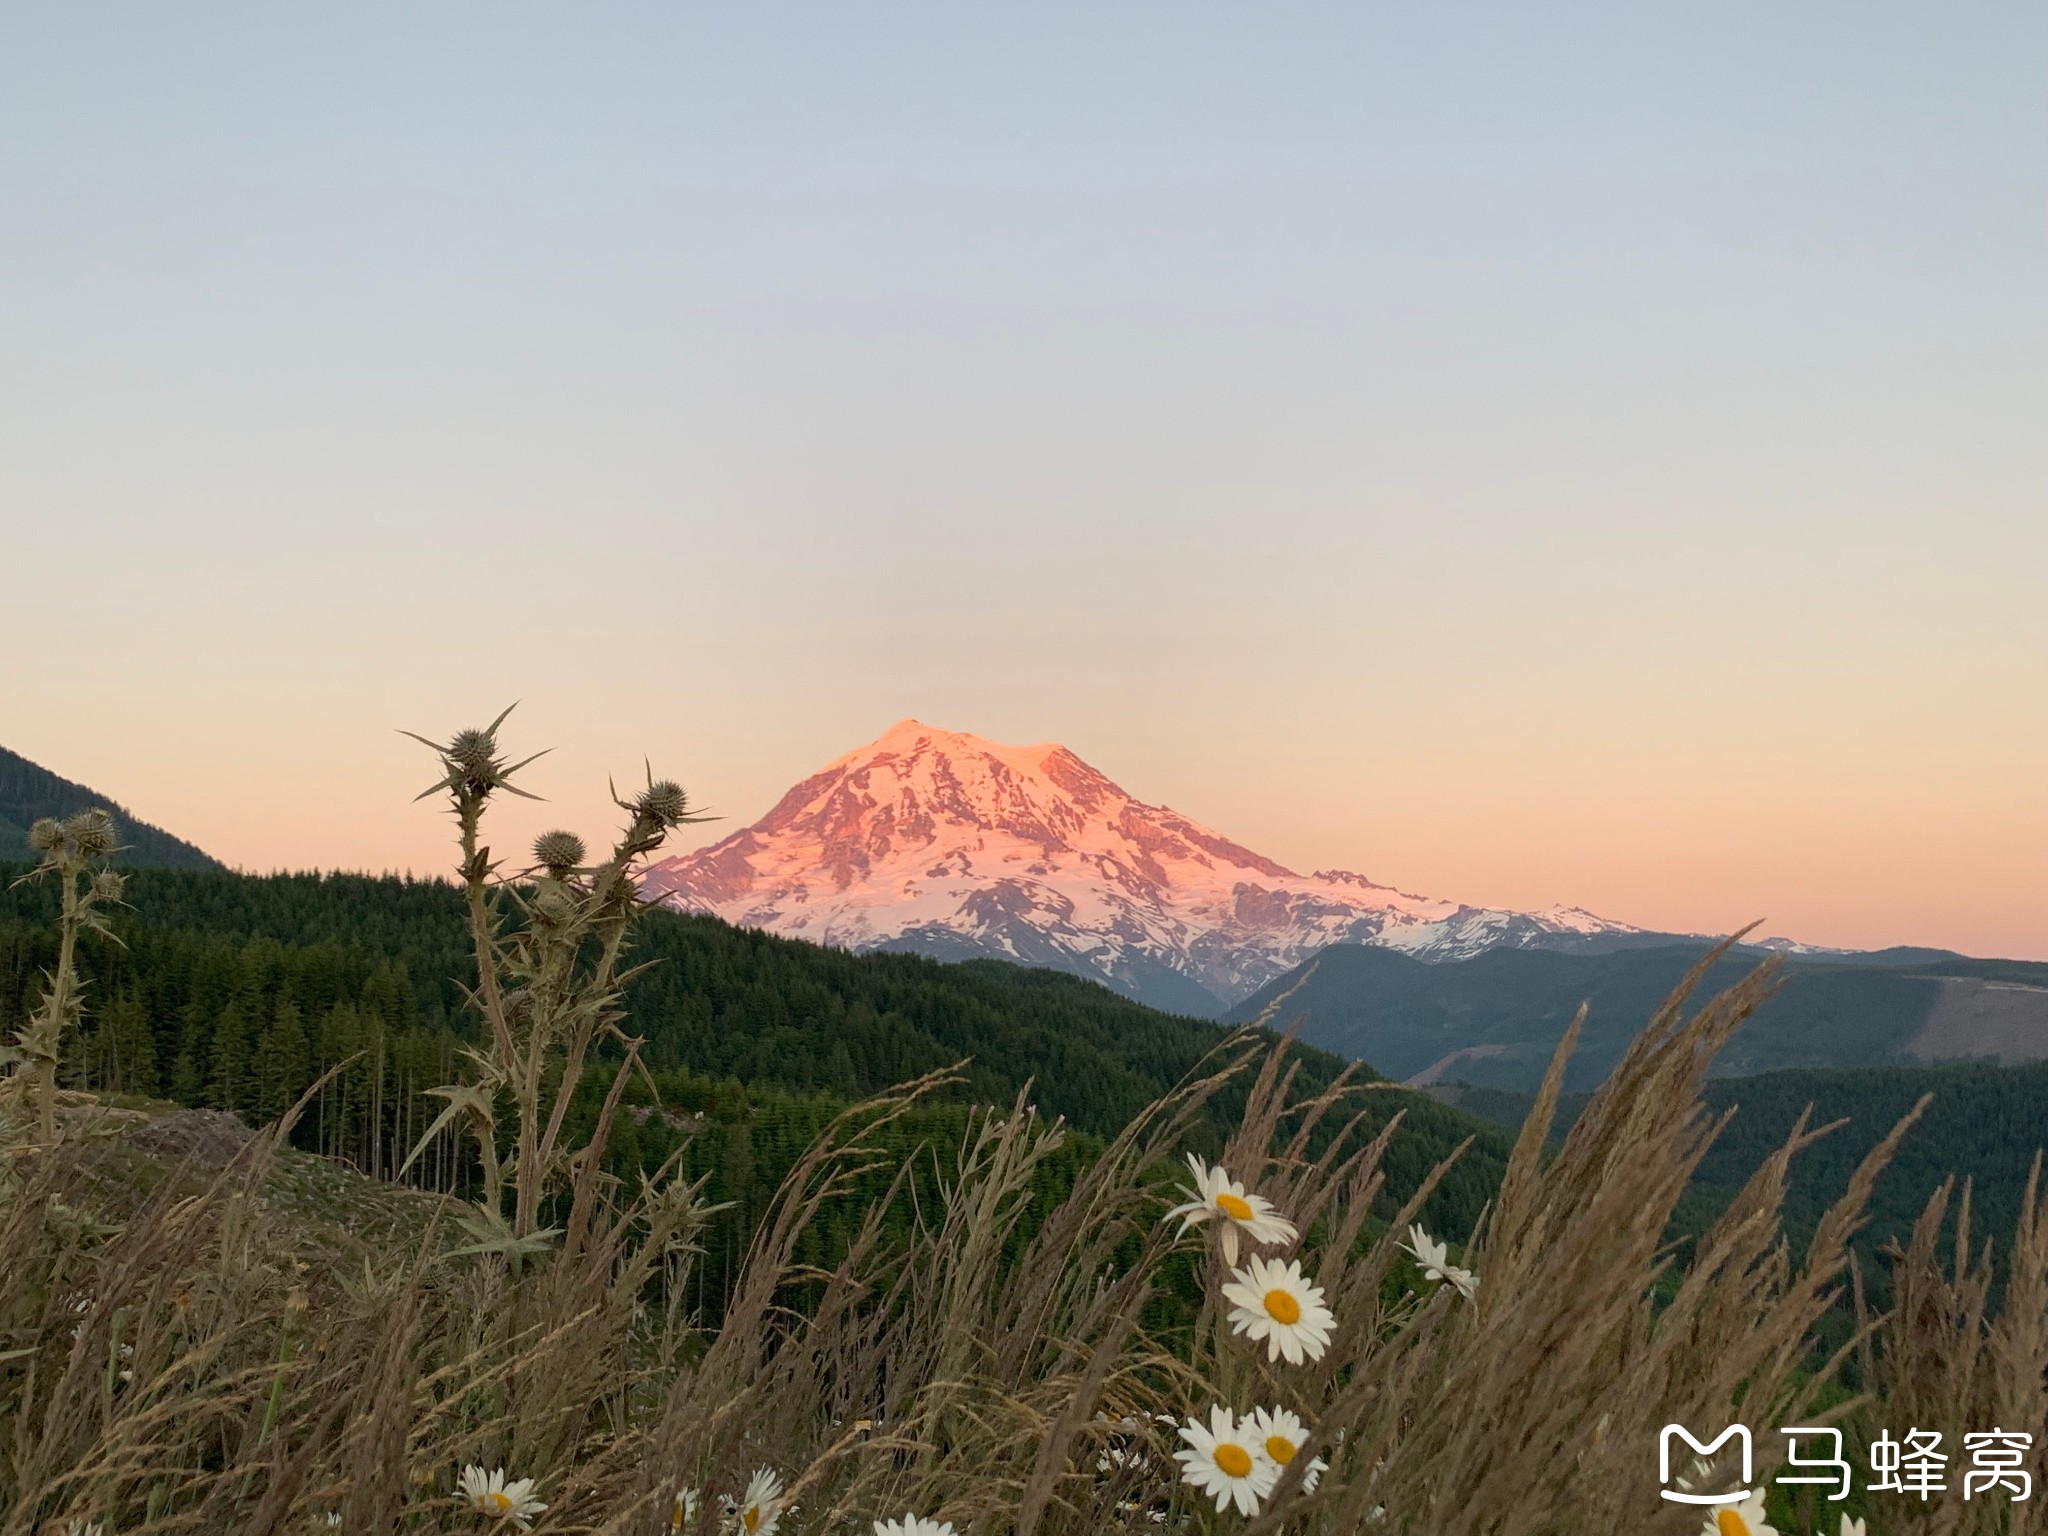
(233, 991)
(1984, 1124)
(1494, 1020)
(29, 792)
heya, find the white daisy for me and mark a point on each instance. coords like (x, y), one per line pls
(489, 1494)
(1435, 1259)
(913, 1525)
(684, 1511)
(1744, 1519)
(1116, 1459)
(1225, 1460)
(1220, 1197)
(761, 1505)
(1274, 1301)
(1280, 1434)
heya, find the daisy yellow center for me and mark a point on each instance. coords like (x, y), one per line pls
(1282, 1307)
(1234, 1459)
(1729, 1522)
(1280, 1448)
(1236, 1207)
(752, 1518)
(498, 1502)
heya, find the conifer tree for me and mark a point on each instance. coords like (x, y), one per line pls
(280, 1068)
(228, 1079)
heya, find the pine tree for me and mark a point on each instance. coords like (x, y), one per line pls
(127, 1055)
(280, 1070)
(228, 1085)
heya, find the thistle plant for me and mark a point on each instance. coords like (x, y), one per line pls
(75, 851)
(550, 946)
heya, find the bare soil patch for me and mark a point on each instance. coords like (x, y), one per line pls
(1972, 1019)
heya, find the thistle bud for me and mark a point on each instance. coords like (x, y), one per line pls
(91, 832)
(663, 803)
(45, 835)
(560, 852)
(108, 885)
(474, 752)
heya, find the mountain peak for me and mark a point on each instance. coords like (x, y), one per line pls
(909, 736)
(952, 844)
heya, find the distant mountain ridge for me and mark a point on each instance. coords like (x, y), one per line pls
(950, 845)
(1494, 1021)
(29, 792)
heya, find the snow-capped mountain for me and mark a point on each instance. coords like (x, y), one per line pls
(955, 846)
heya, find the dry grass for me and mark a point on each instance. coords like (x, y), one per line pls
(267, 1346)
(193, 1370)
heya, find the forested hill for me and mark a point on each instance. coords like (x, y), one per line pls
(233, 990)
(1984, 1124)
(29, 792)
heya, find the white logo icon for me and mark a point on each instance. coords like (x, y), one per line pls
(1738, 1432)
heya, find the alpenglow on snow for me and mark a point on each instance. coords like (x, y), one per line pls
(951, 845)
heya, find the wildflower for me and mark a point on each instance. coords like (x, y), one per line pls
(1851, 1527)
(913, 1525)
(1744, 1519)
(1219, 1196)
(1274, 1301)
(1435, 1259)
(761, 1506)
(1280, 1434)
(489, 1494)
(685, 1511)
(1225, 1460)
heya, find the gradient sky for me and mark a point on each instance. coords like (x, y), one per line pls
(1586, 454)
